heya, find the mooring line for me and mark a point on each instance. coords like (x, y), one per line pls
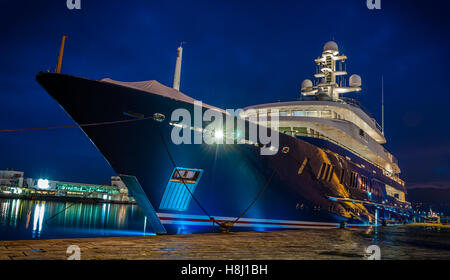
(75, 125)
(65, 209)
(257, 197)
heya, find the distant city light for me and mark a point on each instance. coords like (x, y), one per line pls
(43, 184)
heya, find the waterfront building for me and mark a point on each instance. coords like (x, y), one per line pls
(13, 183)
(105, 192)
(11, 178)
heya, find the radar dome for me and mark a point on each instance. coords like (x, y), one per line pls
(331, 46)
(354, 81)
(307, 84)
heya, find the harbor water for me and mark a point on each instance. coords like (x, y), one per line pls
(28, 219)
(32, 219)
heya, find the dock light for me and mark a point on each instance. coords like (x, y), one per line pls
(43, 184)
(218, 134)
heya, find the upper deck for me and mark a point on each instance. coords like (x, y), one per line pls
(340, 110)
(341, 123)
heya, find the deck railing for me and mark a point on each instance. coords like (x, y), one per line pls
(345, 100)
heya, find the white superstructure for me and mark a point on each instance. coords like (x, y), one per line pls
(322, 112)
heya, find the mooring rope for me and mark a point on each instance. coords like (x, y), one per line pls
(75, 125)
(256, 198)
(65, 209)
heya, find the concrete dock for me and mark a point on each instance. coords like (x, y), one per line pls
(395, 243)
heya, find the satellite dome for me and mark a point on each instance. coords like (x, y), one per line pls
(331, 46)
(307, 84)
(354, 81)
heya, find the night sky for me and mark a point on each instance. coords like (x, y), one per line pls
(239, 53)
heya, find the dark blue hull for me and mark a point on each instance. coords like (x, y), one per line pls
(230, 176)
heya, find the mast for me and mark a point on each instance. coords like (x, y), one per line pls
(61, 52)
(331, 83)
(177, 74)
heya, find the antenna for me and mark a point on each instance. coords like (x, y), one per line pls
(382, 105)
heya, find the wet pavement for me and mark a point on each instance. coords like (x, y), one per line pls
(395, 242)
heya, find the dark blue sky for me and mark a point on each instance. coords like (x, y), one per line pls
(239, 53)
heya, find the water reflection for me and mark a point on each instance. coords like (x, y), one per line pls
(38, 219)
(28, 219)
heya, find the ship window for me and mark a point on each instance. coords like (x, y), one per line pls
(330, 173)
(363, 182)
(298, 113)
(353, 179)
(319, 175)
(284, 113)
(325, 172)
(311, 113)
(341, 177)
(188, 176)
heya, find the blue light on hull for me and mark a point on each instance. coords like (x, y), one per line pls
(176, 196)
